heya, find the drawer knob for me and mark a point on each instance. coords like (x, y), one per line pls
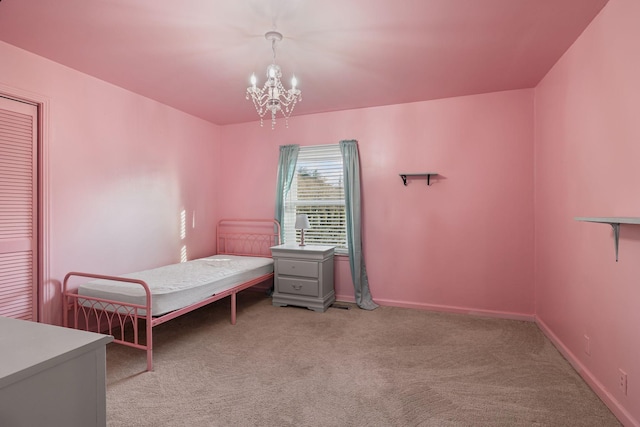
(296, 287)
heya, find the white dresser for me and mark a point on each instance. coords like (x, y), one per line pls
(303, 276)
(51, 376)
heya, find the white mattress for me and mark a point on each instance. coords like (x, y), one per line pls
(179, 285)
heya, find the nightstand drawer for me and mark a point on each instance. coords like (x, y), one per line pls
(298, 286)
(291, 267)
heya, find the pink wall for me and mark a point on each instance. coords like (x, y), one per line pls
(121, 168)
(464, 243)
(587, 162)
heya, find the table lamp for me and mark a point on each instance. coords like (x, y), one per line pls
(302, 223)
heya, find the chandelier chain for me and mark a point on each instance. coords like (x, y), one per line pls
(273, 48)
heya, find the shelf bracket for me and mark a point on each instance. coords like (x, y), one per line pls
(616, 236)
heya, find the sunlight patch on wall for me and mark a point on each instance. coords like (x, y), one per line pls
(183, 235)
(183, 224)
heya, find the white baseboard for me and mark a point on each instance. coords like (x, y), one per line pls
(458, 310)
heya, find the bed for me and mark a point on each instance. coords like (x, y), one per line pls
(129, 306)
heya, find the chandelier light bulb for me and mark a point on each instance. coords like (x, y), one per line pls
(273, 97)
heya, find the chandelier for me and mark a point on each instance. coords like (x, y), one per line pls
(273, 97)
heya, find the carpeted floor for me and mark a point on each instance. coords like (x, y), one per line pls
(286, 366)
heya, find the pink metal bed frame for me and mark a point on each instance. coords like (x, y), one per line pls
(245, 237)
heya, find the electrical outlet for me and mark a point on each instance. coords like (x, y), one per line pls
(622, 382)
(587, 344)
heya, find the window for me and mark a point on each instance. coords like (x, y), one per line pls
(317, 190)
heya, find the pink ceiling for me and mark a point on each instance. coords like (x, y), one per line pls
(197, 55)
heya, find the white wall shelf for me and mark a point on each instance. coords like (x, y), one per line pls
(614, 222)
(404, 176)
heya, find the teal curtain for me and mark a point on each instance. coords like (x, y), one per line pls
(351, 170)
(286, 169)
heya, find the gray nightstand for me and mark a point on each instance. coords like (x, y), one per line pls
(303, 276)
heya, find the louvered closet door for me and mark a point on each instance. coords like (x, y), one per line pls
(18, 210)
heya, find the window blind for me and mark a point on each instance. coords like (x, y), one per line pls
(317, 190)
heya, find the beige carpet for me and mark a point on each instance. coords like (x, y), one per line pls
(286, 366)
